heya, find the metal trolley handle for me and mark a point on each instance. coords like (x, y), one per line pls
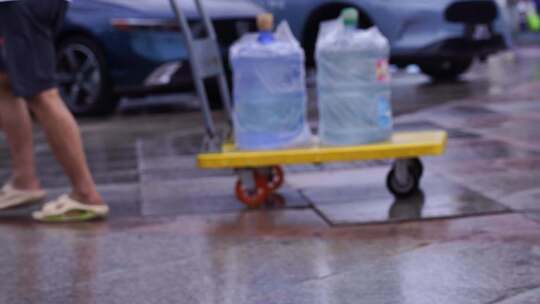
(206, 62)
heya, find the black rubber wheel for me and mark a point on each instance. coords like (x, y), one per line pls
(83, 77)
(406, 190)
(417, 167)
(446, 69)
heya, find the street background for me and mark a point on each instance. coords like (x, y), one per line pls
(177, 232)
(334, 234)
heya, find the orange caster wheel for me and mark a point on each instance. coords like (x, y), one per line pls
(276, 178)
(253, 198)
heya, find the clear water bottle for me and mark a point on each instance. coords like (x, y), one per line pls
(270, 99)
(353, 82)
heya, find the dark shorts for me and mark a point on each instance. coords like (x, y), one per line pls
(27, 36)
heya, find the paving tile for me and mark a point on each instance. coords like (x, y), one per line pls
(362, 184)
(66, 264)
(205, 195)
(534, 215)
(169, 168)
(480, 124)
(524, 296)
(57, 178)
(468, 111)
(518, 191)
(218, 252)
(520, 107)
(351, 198)
(472, 125)
(294, 259)
(470, 150)
(419, 207)
(454, 272)
(427, 125)
(124, 200)
(108, 167)
(523, 200)
(483, 168)
(170, 145)
(459, 112)
(522, 131)
(512, 182)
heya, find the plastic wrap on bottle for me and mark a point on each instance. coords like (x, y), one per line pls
(270, 98)
(353, 82)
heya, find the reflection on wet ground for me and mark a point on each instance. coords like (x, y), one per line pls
(332, 235)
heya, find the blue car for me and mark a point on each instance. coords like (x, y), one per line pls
(113, 48)
(442, 36)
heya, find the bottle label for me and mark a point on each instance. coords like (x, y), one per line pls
(383, 71)
(385, 113)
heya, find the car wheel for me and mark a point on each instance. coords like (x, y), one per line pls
(449, 69)
(83, 77)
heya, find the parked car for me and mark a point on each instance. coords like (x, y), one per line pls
(113, 48)
(442, 36)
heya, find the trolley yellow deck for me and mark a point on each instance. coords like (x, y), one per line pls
(402, 145)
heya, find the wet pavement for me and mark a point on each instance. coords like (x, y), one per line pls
(332, 235)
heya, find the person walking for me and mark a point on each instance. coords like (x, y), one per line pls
(27, 84)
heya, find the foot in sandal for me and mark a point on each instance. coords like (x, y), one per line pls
(12, 198)
(67, 209)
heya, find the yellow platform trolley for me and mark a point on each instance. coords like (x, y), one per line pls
(260, 173)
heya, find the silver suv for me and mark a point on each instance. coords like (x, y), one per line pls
(442, 36)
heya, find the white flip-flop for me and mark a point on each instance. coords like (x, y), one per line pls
(66, 209)
(11, 197)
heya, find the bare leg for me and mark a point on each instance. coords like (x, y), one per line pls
(17, 125)
(64, 137)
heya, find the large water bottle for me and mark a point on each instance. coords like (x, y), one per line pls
(270, 99)
(353, 83)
